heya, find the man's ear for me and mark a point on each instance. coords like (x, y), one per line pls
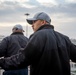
(43, 22)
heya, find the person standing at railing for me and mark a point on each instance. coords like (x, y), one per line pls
(11, 45)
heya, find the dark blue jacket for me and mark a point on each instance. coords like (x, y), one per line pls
(10, 45)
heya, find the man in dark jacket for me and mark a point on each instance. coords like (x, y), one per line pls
(11, 45)
(48, 52)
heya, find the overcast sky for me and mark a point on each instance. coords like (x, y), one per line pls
(61, 12)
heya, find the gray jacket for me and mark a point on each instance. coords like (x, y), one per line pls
(11, 45)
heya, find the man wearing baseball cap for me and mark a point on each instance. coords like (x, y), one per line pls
(11, 45)
(48, 52)
(39, 17)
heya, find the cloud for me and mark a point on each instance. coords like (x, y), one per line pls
(14, 0)
(47, 2)
(70, 1)
(13, 11)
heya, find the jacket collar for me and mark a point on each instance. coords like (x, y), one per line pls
(17, 33)
(47, 26)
